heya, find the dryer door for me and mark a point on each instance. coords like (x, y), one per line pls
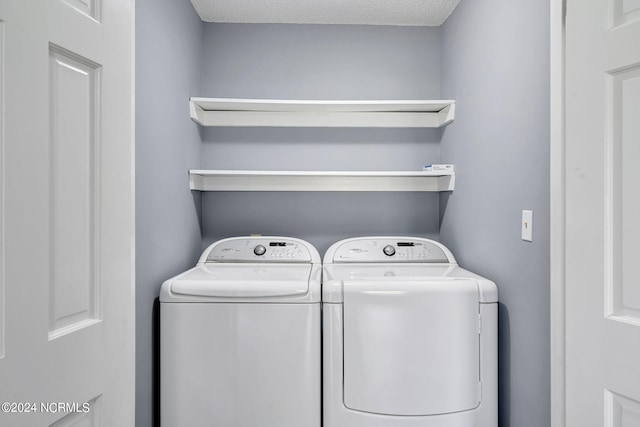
(411, 347)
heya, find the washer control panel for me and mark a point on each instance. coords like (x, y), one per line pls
(258, 250)
(390, 250)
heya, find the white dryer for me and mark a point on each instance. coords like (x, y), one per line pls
(240, 337)
(409, 337)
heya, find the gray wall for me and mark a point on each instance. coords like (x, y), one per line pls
(168, 59)
(495, 63)
(320, 62)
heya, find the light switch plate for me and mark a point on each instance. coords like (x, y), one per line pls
(527, 226)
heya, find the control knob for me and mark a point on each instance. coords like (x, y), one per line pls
(259, 250)
(389, 250)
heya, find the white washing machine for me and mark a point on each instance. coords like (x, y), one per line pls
(409, 338)
(240, 337)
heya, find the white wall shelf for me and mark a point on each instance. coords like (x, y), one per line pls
(241, 180)
(307, 113)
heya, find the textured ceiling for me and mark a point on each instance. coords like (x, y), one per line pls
(367, 12)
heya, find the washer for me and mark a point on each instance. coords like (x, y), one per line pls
(409, 337)
(240, 337)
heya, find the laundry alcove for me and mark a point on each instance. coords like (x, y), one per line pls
(490, 56)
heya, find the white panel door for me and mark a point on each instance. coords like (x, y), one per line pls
(66, 211)
(603, 213)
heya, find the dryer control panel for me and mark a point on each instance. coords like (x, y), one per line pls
(390, 250)
(259, 249)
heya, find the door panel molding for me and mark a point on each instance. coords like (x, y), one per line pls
(622, 230)
(620, 411)
(74, 291)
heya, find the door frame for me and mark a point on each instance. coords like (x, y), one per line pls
(557, 193)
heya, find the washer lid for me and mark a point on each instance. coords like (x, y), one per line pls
(242, 281)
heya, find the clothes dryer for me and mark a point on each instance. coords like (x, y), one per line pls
(409, 337)
(240, 337)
